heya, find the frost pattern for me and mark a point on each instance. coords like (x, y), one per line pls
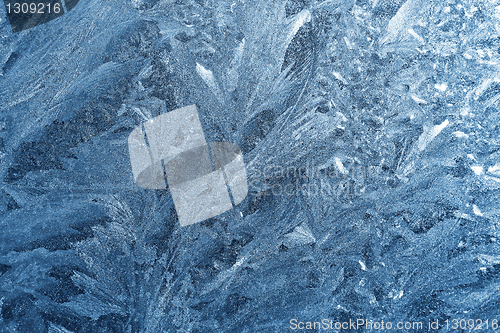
(395, 101)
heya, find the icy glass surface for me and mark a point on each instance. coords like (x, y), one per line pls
(370, 134)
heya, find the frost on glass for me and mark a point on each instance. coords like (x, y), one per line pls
(369, 134)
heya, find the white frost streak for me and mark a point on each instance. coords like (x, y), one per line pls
(291, 30)
(53, 328)
(339, 77)
(406, 15)
(209, 79)
(478, 170)
(418, 100)
(232, 72)
(341, 167)
(228, 274)
(430, 134)
(417, 36)
(303, 17)
(495, 170)
(460, 134)
(441, 87)
(301, 235)
(476, 210)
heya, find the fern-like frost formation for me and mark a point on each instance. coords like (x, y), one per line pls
(370, 134)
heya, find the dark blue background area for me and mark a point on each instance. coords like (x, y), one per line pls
(396, 102)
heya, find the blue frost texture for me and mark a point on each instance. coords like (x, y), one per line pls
(370, 133)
